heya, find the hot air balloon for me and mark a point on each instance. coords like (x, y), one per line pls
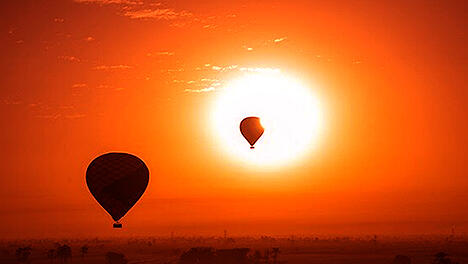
(117, 181)
(251, 129)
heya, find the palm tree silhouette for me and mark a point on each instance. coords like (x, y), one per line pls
(257, 257)
(64, 253)
(266, 256)
(275, 251)
(442, 258)
(23, 253)
(51, 255)
(84, 251)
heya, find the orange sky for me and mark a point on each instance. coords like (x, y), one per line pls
(85, 77)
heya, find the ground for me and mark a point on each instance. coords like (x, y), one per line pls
(292, 250)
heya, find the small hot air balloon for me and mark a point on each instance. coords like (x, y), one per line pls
(117, 181)
(251, 129)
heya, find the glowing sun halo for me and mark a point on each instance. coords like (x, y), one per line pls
(287, 110)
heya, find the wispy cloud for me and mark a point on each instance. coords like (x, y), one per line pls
(203, 85)
(165, 53)
(69, 58)
(160, 53)
(75, 116)
(222, 68)
(32, 105)
(109, 2)
(279, 40)
(51, 116)
(203, 90)
(260, 70)
(159, 13)
(142, 10)
(79, 85)
(11, 102)
(112, 67)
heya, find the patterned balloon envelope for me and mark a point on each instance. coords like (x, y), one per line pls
(117, 181)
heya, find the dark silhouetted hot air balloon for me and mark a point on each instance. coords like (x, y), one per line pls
(117, 181)
(251, 129)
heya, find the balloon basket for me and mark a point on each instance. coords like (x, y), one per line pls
(252, 147)
(117, 225)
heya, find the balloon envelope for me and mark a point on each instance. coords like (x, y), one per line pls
(251, 129)
(117, 181)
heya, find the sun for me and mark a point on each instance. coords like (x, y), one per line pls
(288, 111)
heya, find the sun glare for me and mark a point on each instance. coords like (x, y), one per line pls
(288, 111)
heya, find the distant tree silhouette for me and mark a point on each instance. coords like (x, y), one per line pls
(208, 255)
(84, 251)
(115, 258)
(64, 253)
(266, 256)
(202, 255)
(51, 255)
(275, 251)
(442, 258)
(232, 256)
(23, 253)
(257, 257)
(400, 259)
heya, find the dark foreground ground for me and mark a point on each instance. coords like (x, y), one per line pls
(240, 250)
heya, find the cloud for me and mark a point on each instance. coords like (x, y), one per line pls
(203, 90)
(160, 13)
(108, 2)
(160, 53)
(51, 116)
(222, 69)
(69, 58)
(75, 116)
(204, 85)
(11, 102)
(112, 67)
(279, 39)
(32, 105)
(138, 9)
(174, 70)
(165, 53)
(59, 20)
(261, 70)
(79, 85)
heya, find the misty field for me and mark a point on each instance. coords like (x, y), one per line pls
(186, 250)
